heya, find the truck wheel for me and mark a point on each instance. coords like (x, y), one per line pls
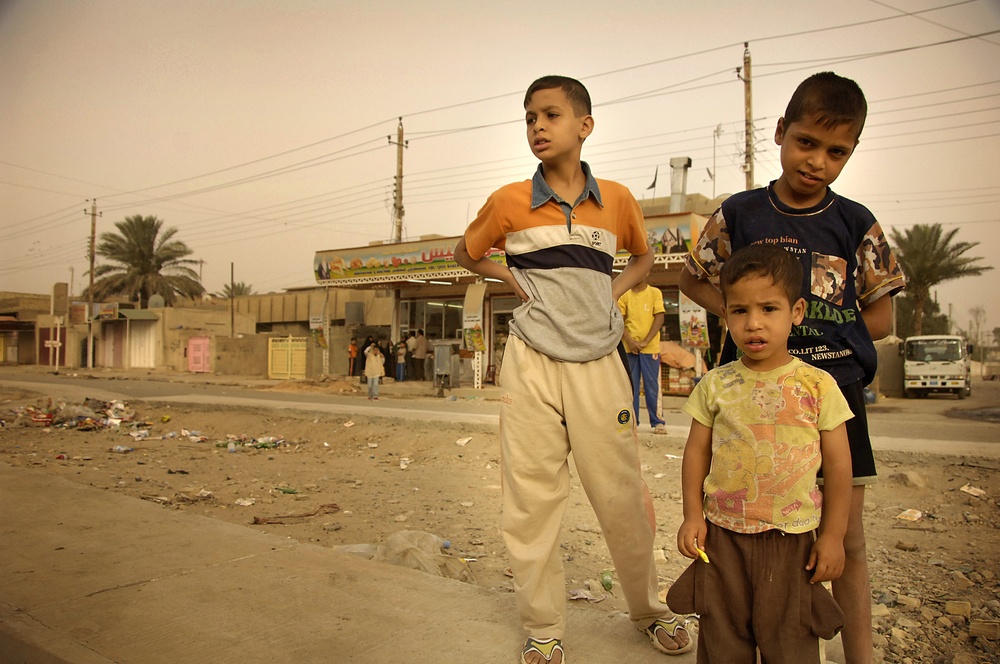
(960, 393)
(908, 394)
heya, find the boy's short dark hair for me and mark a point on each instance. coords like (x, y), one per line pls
(575, 91)
(763, 260)
(833, 99)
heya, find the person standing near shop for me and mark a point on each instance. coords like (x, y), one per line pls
(400, 351)
(352, 357)
(411, 345)
(420, 354)
(642, 308)
(374, 369)
(362, 363)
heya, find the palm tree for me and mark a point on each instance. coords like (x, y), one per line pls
(144, 262)
(238, 289)
(930, 256)
(933, 321)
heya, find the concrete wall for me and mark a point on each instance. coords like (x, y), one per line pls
(889, 380)
(177, 326)
(244, 356)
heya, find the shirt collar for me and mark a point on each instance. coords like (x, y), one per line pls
(541, 192)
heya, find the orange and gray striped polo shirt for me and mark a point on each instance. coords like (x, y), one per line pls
(562, 256)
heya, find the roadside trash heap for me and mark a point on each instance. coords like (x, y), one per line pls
(91, 415)
(94, 414)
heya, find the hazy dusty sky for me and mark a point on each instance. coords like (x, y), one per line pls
(259, 129)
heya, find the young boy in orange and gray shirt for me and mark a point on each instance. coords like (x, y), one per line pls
(565, 388)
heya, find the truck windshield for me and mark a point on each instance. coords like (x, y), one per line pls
(934, 351)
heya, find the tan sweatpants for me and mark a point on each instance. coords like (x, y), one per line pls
(549, 409)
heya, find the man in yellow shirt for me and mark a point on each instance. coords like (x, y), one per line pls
(642, 309)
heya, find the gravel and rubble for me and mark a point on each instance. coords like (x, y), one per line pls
(932, 521)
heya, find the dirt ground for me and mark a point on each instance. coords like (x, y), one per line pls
(346, 481)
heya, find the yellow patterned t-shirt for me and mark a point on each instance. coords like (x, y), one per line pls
(765, 444)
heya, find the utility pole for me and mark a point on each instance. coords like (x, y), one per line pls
(397, 228)
(715, 138)
(232, 300)
(90, 290)
(748, 111)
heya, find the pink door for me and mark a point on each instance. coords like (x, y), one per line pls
(198, 351)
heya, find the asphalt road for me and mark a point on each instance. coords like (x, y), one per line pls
(939, 424)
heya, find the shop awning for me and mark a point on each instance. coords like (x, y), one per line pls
(137, 314)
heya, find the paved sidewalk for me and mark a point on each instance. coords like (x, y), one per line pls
(386, 387)
(91, 577)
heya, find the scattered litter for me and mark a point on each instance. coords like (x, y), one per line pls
(606, 581)
(189, 497)
(404, 462)
(245, 502)
(910, 515)
(659, 476)
(580, 593)
(467, 503)
(349, 423)
(331, 508)
(286, 489)
(165, 419)
(372, 445)
(973, 491)
(462, 442)
(89, 416)
(236, 442)
(177, 472)
(140, 434)
(672, 456)
(120, 449)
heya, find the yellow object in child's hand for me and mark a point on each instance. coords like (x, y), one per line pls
(702, 554)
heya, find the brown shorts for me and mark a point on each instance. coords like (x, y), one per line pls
(755, 594)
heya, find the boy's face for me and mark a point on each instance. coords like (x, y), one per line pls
(812, 157)
(760, 319)
(554, 129)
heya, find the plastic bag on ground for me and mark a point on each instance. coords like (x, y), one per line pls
(421, 550)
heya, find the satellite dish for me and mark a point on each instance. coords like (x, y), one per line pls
(155, 302)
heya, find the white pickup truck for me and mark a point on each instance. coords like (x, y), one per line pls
(936, 363)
